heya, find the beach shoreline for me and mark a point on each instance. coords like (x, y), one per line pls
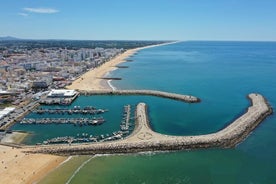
(18, 167)
(92, 80)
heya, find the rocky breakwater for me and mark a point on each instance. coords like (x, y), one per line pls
(174, 96)
(230, 136)
(144, 139)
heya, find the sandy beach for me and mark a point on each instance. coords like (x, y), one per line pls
(18, 167)
(91, 80)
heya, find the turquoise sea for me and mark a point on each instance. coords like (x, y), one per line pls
(222, 74)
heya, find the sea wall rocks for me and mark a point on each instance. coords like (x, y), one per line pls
(144, 139)
(185, 98)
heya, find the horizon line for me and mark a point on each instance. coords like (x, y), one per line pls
(167, 40)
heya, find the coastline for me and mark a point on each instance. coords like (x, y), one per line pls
(93, 163)
(91, 80)
(19, 167)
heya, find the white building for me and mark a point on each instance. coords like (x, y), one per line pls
(61, 93)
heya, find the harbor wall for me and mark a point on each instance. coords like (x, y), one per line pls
(174, 96)
(144, 139)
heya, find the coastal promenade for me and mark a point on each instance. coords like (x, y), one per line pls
(174, 96)
(143, 138)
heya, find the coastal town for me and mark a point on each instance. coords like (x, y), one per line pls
(27, 75)
(30, 69)
(34, 73)
(24, 73)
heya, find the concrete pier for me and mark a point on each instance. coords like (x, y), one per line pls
(174, 96)
(144, 139)
(111, 78)
(121, 66)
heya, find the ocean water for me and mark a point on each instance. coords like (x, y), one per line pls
(222, 74)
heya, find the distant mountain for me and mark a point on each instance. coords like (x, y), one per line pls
(5, 38)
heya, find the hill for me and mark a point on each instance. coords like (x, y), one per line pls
(6, 38)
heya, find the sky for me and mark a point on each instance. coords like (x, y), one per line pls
(248, 20)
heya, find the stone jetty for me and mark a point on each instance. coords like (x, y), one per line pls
(111, 78)
(121, 66)
(143, 138)
(174, 96)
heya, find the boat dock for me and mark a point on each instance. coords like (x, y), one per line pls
(143, 138)
(83, 138)
(125, 124)
(70, 140)
(74, 121)
(76, 110)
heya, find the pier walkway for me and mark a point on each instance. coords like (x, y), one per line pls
(144, 138)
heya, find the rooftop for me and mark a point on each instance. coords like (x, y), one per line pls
(62, 93)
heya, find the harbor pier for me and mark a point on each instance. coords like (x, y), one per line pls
(143, 138)
(174, 96)
(111, 78)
